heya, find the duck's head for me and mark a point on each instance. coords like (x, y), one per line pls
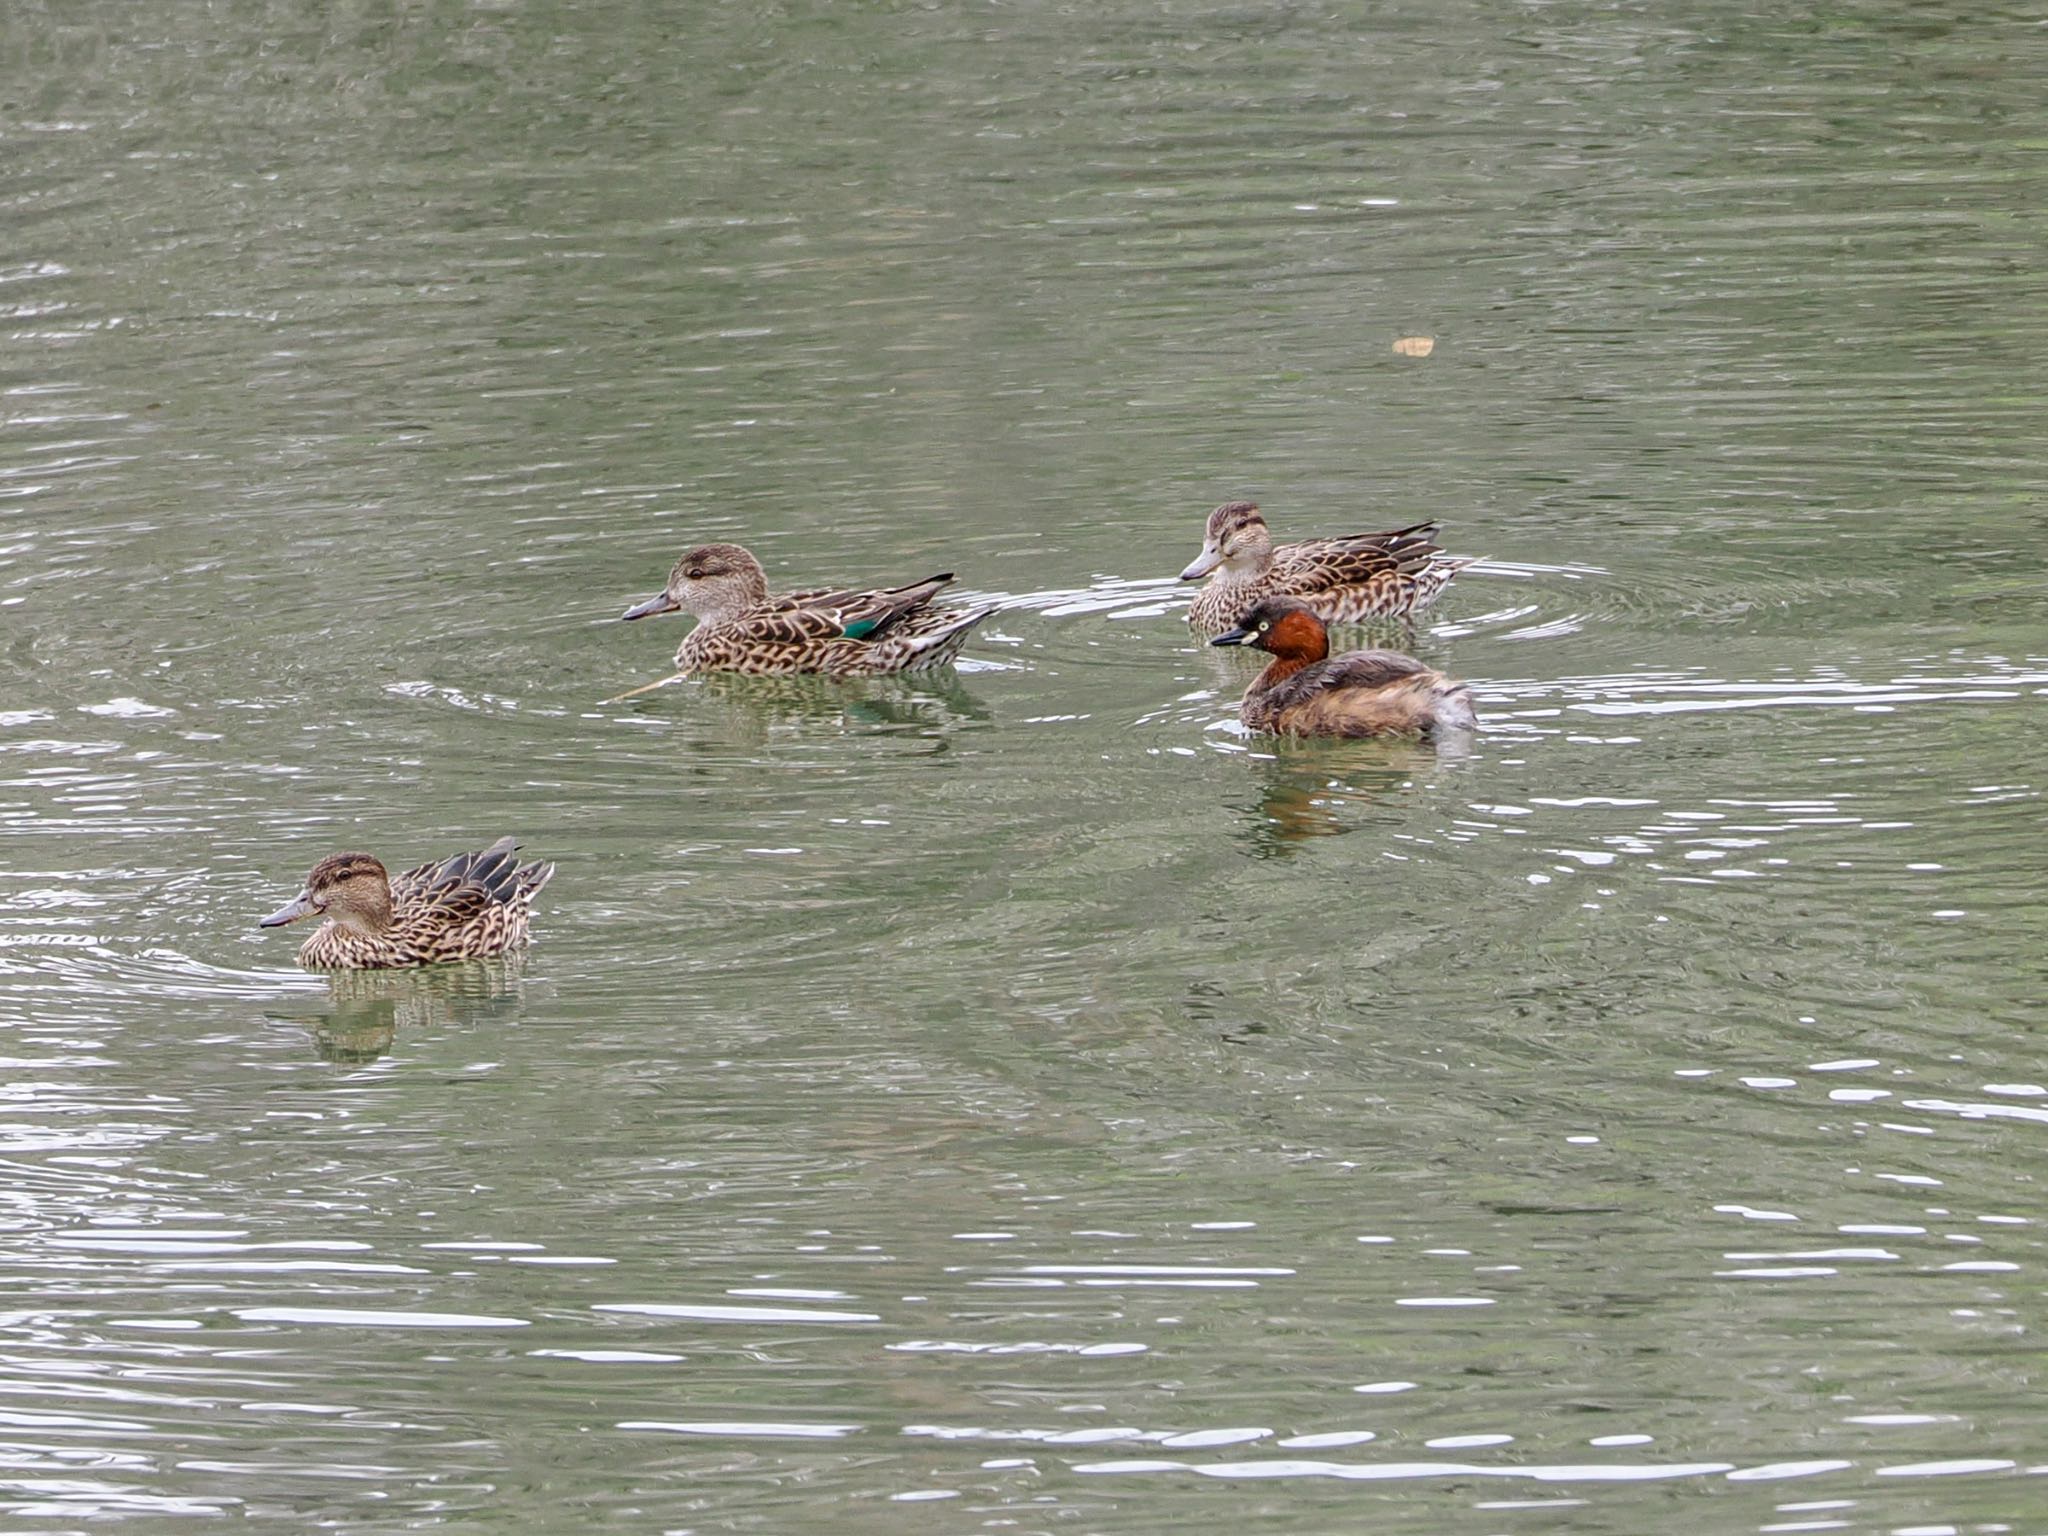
(1281, 626)
(712, 581)
(351, 888)
(1236, 535)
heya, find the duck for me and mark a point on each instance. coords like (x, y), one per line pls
(1305, 691)
(466, 907)
(1345, 580)
(851, 633)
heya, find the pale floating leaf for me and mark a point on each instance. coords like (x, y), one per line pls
(1415, 346)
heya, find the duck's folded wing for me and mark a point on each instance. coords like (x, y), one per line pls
(834, 616)
(493, 869)
(909, 594)
(1357, 558)
(456, 921)
(406, 886)
(809, 597)
(762, 632)
(451, 906)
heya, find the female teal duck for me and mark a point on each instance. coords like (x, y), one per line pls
(1345, 580)
(462, 908)
(741, 628)
(1306, 691)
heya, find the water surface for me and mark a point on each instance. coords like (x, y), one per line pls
(1015, 1099)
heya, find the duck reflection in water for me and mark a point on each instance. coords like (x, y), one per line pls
(371, 1008)
(748, 711)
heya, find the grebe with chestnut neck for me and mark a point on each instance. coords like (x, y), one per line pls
(1305, 691)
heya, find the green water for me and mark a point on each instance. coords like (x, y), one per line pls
(1015, 1100)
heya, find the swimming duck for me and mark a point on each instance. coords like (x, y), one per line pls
(741, 628)
(462, 908)
(1345, 580)
(1306, 691)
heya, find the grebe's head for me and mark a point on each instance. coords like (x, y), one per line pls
(1282, 626)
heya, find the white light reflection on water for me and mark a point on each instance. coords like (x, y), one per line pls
(371, 1317)
(1397, 1471)
(730, 1314)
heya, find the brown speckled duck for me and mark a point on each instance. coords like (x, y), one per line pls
(462, 908)
(1344, 580)
(742, 628)
(1306, 691)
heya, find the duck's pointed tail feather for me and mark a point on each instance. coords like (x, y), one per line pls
(938, 641)
(531, 878)
(495, 868)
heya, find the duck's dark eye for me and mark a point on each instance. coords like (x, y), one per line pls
(694, 573)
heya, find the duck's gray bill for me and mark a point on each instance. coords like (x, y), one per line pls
(661, 602)
(1205, 562)
(299, 906)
